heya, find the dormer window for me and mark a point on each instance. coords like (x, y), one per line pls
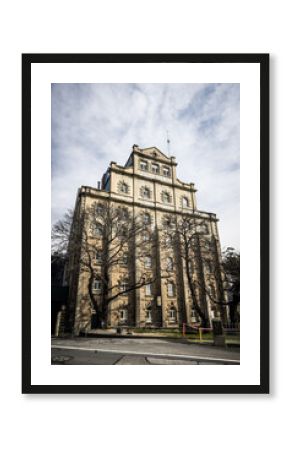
(155, 169)
(166, 171)
(143, 165)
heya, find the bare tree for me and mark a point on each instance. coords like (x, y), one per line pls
(100, 239)
(60, 235)
(231, 266)
(199, 252)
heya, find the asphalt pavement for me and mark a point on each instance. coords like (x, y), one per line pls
(122, 351)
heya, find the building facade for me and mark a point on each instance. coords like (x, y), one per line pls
(146, 186)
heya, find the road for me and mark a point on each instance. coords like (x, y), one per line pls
(138, 351)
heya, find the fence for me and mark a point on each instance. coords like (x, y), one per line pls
(206, 334)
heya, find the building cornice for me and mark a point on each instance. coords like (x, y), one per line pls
(185, 186)
(96, 193)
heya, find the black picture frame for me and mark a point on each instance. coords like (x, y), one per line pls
(263, 61)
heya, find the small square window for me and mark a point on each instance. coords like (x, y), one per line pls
(155, 169)
(97, 285)
(166, 171)
(143, 165)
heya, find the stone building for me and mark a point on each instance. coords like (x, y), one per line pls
(146, 186)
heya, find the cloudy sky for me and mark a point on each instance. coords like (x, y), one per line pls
(93, 124)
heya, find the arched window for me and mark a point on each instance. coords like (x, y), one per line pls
(167, 222)
(146, 218)
(185, 202)
(166, 198)
(123, 213)
(123, 232)
(145, 192)
(169, 263)
(99, 209)
(97, 229)
(123, 187)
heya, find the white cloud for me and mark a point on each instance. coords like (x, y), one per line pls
(93, 124)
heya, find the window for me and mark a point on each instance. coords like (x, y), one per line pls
(124, 285)
(172, 315)
(124, 259)
(211, 292)
(167, 222)
(146, 236)
(145, 192)
(191, 266)
(148, 289)
(170, 290)
(124, 187)
(123, 315)
(168, 240)
(165, 197)
(97, 229)
(166, 171)
(193, 316)
(99, 209)
(97, 285)
(155, 168)
(98, 256)
(123, 232)
(185, 202)
(148, 315)
(169, 263)
(143, 165)
(146, 219)
(148, 262)
(123, 213)
(208, 266)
